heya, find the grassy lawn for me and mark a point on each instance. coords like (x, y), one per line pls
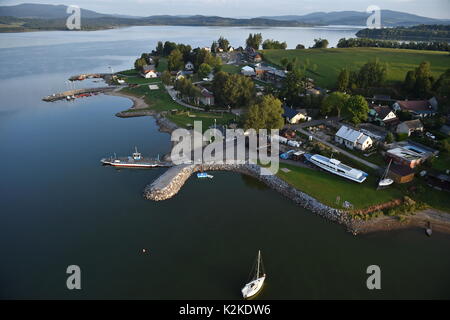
(325, 187)
(230, 68)
(158, 100)
(188, 118)
(330, 61)
(140, 80)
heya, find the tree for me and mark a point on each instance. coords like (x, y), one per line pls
(442, 85)
(300, 46)
(334, 103)
(169, 47)
(204, 70)
(293, 87)
(224, 44)
(389, 138)
(410, 81)
(372, 74)
(266, 114)
(272, 44)
(357, 109)
(424, 80)
(254, 40)
(159, 49)
(166, 78)
(214, 46)
(233, 90)
(343, 80)
(320, 43)
(175, 60)
(139, 64)
(284, 62)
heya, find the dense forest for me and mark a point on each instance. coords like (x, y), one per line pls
(365, 42)
(422, 32)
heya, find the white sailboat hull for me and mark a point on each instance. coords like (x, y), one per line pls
(253, 287)
(385, 182)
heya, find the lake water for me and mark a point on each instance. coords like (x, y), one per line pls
(59, 206)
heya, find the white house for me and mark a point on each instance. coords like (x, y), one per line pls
(248, 71)
(207, 97)
(149, 71)
(353, 138)
(295, 116)
(189, 66)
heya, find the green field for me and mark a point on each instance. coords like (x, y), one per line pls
(330, 61)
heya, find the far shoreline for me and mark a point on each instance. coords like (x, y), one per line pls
(440, 220)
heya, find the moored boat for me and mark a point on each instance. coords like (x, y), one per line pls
(134, 161)
(337, 167)
(257, 281)
(385, 181)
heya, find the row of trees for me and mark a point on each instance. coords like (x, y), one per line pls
(254, 40)
(371, 74)
(273, 44)
(355, 108)
(366, 42)
(420, 32)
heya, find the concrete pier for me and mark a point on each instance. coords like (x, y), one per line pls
(63, 95)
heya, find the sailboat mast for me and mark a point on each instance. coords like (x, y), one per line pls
(259, 259)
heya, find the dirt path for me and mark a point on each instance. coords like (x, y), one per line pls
(138, 102)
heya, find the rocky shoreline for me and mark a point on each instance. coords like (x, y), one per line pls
(164, 188)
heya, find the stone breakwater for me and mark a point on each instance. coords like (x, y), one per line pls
(168, 185)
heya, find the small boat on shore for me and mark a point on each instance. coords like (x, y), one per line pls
(336, 167)
(257, 281)
(429, 230)
(134, 161)
(385, 181)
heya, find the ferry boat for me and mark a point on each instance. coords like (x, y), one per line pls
(257, 281)
(134, 161)
(338, 168)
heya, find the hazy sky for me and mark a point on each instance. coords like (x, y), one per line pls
(249, 8)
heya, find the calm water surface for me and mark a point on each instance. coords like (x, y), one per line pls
(59, 206)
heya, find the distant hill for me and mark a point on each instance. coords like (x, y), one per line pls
(43, 11)
(389, 18)
(32, 17)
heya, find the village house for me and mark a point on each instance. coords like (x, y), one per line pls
(409, 154)
(383, 115)
(295, 116)
(418, 108)
(207, 97)
(149, 71)
(353, 139)
(189, 66)
(409, 127)
(248, 71)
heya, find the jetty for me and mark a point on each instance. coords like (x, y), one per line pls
(70, 93)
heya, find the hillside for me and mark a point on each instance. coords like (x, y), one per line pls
(330, 61)
(389, 18)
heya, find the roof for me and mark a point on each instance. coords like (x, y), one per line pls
(415, 105)
(413, 124)
(363, 139)
(205, 92)
(149, 67)
(406, 154)
(289, 112)
(248, 69)
(382, 111)
(348, 134)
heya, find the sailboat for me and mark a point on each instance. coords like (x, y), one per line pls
(385, 181)
(257, 281)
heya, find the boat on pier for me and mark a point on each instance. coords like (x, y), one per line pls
(136, 160)
(336, 167)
